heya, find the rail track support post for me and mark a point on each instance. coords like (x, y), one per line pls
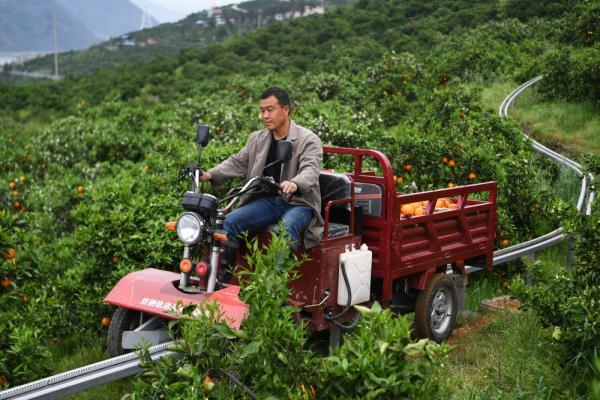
(461, 282)
(336, 337)
(570, 251)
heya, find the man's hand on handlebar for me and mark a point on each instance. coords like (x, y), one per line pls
(206, 176)
(288, 187)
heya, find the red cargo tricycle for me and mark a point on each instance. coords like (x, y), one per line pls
(369, 251)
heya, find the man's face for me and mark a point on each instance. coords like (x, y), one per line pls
(272, 114)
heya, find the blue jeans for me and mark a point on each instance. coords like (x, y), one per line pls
(265, 211)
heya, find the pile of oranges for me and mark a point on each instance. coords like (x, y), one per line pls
(418, 208)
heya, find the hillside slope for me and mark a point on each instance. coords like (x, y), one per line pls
(194, 31)
(27, 25)
(89, 164)
(106, 18)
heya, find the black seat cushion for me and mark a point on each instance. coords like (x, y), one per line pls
(334, 187)
(337, 230)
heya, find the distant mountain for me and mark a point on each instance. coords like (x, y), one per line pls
(107, 18)
(162, 14)
(196, 30)
(27, 25)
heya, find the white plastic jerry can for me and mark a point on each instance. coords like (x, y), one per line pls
(358, 269)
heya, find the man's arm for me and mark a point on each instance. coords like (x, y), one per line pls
(309, 165)
(235, 166)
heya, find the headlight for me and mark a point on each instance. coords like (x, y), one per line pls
(190, 227)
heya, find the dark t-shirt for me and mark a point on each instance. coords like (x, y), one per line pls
(273, 170)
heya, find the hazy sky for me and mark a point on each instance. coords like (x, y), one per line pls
(171, 10)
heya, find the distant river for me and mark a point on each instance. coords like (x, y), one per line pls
(8, 57)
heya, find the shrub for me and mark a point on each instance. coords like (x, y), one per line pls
(569, 300)
(572, 74)
(268, 355)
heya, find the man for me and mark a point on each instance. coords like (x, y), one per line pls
(299, 205)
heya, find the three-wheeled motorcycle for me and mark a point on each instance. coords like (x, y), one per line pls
(370, 250)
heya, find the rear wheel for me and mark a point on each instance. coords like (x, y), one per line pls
(122, 320)
(436, 308)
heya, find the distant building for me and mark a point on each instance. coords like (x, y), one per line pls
(219, 20)
(127, 41)
(151, 41)
(213, 12)
(200, 22)
(308, 10)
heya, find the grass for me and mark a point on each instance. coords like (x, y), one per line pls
(74, 353)
(506, 356)
(571, 128)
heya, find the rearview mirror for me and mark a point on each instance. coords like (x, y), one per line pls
(284, 150)
(202, 135)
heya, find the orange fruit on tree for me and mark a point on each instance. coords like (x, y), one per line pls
(11, 185)
(9, 253)
(21, 179)
(80, 189)
(5, 282)
(450, 185)
(105, 322)
(472, 176)
(451, 163)
(15, 193)
(208, 383)
(505, 242)
(2, 380)
(408, 167)
(445, 160)
(399, 180)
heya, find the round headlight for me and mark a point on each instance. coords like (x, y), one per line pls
(190, 227)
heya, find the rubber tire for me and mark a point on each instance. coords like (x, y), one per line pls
(123, 320)
(424, 305)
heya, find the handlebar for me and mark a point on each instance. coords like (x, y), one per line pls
(243, 190)
(235, 193)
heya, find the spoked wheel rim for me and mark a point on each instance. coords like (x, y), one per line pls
(442, 310)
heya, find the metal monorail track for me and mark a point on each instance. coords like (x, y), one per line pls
(77, 380)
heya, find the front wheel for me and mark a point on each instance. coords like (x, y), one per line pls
(122, 320)
(436, 308)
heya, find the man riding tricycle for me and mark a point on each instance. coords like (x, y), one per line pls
(360, 247)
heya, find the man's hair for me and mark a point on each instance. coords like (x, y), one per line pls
(282, 96)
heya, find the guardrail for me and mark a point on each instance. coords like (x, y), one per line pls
(89, 376)
(92, 375)
(584, 202)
